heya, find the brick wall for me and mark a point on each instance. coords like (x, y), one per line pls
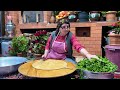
(92, 43)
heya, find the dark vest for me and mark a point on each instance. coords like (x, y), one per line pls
(68, 42)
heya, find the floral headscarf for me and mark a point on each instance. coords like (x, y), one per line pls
(61, 22)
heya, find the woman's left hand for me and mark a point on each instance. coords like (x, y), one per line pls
(89, 56)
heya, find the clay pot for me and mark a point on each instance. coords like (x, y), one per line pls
(114, 39)
(19, 54)
(111, 16)
(52, 19)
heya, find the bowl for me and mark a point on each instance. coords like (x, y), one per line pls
(10, 64)
(97, 75)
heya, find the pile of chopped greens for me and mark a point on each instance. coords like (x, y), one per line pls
(96, 65)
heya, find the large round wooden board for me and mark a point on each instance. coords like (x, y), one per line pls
(28, 70)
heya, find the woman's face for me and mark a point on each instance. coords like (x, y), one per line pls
(64, 29)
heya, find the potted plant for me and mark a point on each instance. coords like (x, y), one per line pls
(39, 40)
(19, 46)
(38, 50)
(114, 35)
(103, 14)
(56, 13)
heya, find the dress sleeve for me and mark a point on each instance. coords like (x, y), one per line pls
(47, 47)
(77, 46)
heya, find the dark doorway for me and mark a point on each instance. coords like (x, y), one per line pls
(105, 40)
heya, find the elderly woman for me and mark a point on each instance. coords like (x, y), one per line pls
(60, 43)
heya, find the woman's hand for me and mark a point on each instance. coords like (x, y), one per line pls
(44, 56)
(89, 56)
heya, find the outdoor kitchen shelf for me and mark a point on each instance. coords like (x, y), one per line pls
(36, 25)
(46, 25)
(105, 23)
(41, 25)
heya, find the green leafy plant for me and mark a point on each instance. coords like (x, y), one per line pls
(12, 51)
(39, 41)
(38, 48)
(55, 12)
(116, 27)
(97, 65)
(19, 45)
(118, 13)
(103, 13)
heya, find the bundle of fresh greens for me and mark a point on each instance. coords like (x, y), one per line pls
(95, 65)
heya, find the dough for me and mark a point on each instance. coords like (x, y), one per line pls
(50, 64)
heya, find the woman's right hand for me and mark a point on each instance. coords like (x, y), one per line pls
(44, 56)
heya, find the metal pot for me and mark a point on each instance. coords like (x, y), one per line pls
(98, 75)
(10, 64)
(83, 16)
(72, 18)
(94, 16)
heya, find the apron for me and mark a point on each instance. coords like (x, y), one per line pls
(57, 50)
